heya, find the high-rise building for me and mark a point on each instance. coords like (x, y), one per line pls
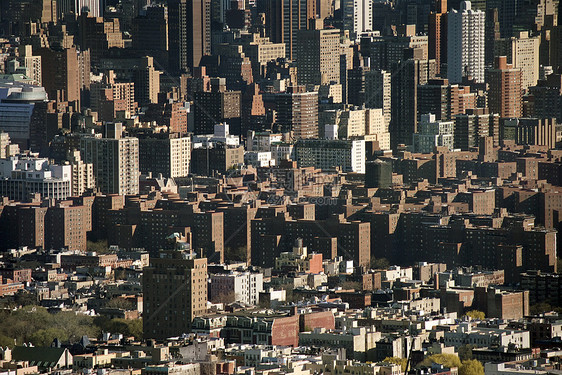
(147, 82)
(31, 63)
(115, 159)
(356, 85)
(94, 8)
(437, 41)
(284, 18)
(529, 131)
(378, 92)
(473, 125)
(548, 97)
(523, 53)
(7, 149)
(433, 133)
(465, 44)
(404, 93)
(215, 107)
(260, 50)
(189, 33)
(491, 35)
(318, 55)
(60, 74)
(505, 94)
(150, 33)
(444, 100)
(65, 227)
(357, 16)
(175, 292)
(347, 154)
(168, 154)
(297, 112)
(108, 96)
(99, 36)
(82, 174)
(388, 51)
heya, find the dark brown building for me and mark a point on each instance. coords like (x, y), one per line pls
(175, 292)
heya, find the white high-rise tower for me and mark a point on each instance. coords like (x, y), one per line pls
(465, 44)
(357, 16)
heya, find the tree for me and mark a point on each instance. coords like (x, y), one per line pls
(119, 303)
(44, 337)
(379, 263)
(355, 285)
(471, 367)
(126, 327)
(237, 254)
(476, 315)
(99, 247)
(6, 341)
(397, 360)
(226, 297)
(465, 352)
(447, 360)
(540, 308)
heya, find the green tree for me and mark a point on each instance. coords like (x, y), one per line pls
(447, 360)
(236, 254)
(126, 327)
(471, 367)
(540, 308)
(379, 263)
(355, 285)
(99, 247)
(6, 341)
(119, 303)
(397, 360)
(476, 315)
(465, 352)
(44, 337)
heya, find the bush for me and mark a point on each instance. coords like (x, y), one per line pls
(471, 367)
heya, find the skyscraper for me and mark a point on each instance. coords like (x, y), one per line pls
(175, 292)
(523, 52)
(318, 55)
(298, 112)
(189, 33)
(437, 41)
(284, 18)
(357, 16)
(378, 92)
(115, 159)
(465, 48)
(505, 95)
(404, 98)
(60, 74)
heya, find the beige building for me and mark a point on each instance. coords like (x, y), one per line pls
(260, 50)
(359, 122)
(318, 55)
(523, 53)
(147, 82)
(168, 154)
(378, 92)
(82, 174)
(115, 159)
(124, 92)
(7, 148)
(31, 63)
